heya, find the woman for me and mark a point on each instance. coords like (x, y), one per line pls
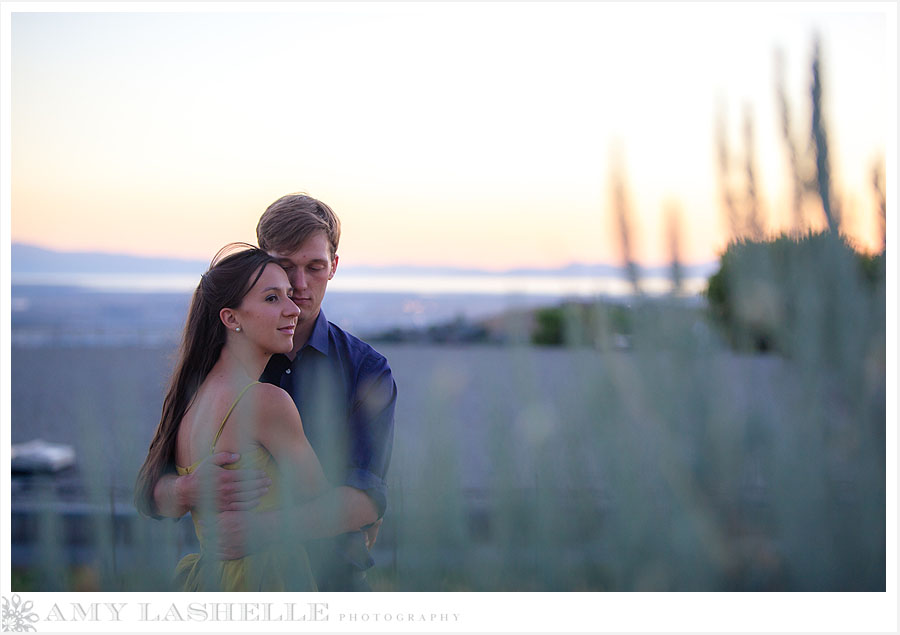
(240, 314)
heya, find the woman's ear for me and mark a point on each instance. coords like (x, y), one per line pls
(229, 319)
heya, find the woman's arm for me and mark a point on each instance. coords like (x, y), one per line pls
(279, 430)
(169, 498)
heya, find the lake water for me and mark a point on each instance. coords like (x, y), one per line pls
(485, 284)
(125, 309)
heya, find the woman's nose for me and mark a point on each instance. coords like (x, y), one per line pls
(290, 308)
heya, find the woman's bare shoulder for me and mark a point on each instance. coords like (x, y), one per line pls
(268, 403)
(271, 397)
(271, 416)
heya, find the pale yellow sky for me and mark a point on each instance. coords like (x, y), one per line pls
(456, 134)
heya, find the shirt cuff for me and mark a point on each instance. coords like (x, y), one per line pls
(371, 484)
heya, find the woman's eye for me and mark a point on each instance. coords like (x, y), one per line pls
(271, 298)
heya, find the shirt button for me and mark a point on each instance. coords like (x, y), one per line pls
(288, 371)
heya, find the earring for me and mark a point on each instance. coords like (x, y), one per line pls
(237, 329)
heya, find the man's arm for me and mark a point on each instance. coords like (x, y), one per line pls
(166, 498)
(235, 490)
(339, 510)
(371, 427)
(362, 497)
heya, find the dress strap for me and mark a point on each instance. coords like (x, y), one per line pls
(228, 414)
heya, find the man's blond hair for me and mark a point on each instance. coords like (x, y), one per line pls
(289, 221)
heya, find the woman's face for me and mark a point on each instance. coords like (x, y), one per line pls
(267, 315)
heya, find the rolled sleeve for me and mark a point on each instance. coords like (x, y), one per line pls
(372, 420)
(371, 484)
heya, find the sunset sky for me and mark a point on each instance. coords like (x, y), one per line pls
(459, 134)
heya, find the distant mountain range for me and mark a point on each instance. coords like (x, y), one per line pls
(29, 259)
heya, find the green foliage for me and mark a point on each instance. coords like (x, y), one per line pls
(603, 325)
(756, 298)
(550, 327)
(873, 268)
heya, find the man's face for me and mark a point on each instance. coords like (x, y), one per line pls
(309, 269)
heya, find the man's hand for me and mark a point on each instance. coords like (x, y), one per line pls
(372, 533)
(235, 490)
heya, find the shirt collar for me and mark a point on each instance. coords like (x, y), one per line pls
(318, 339)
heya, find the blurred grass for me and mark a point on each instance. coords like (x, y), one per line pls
(675, 465)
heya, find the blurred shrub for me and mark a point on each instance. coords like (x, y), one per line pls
(601, 325)
(756, 296)
(549, 327)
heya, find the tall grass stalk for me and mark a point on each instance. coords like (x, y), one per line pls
(823, 173)
(798, 180)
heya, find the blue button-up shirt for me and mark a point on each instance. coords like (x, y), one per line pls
(345, 393)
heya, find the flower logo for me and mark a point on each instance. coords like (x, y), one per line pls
(17, 615)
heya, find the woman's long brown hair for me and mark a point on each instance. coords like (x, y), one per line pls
(231, 274)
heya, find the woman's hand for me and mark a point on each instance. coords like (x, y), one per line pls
(235, 490)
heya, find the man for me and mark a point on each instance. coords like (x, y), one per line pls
(345, 393)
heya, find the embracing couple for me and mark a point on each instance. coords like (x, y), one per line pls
(277, 426)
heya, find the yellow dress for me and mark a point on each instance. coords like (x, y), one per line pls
(268, 569)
